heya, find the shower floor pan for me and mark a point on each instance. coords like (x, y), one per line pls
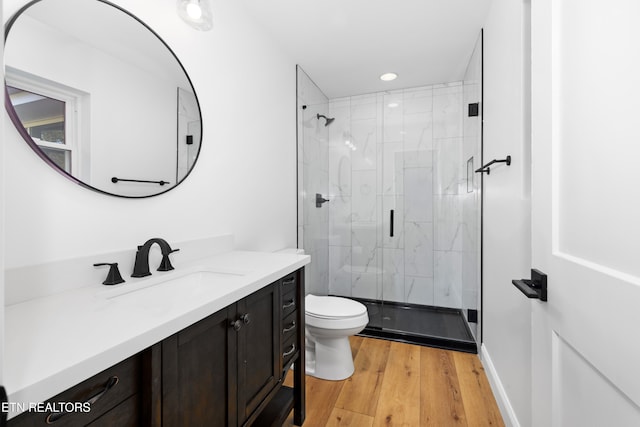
(430, 326)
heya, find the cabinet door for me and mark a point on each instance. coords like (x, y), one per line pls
(259, 363)
(199, 374)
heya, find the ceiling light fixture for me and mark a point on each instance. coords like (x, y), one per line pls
(194, 10)
(196, 13)
(387, 77)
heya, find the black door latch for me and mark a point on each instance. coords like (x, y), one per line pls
(534, 288)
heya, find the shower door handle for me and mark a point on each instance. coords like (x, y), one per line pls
(391, 223)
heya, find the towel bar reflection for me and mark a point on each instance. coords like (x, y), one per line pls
(115, 180)
(487, 169)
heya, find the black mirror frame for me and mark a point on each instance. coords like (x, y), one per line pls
(23, 132)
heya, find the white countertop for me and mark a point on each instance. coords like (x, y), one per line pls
(55, 342)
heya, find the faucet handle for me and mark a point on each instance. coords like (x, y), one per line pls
(113, 276)
(165, 264)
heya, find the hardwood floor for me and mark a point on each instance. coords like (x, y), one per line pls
(396, 384)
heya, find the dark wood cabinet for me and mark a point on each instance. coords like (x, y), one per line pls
(225, 370)
(204, 365)
(291, 313)
(259, 363)
(199, 383)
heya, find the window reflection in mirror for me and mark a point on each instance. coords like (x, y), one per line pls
(43, 119)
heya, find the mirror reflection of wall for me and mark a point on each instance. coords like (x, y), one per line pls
(189, 132)
(118, 113)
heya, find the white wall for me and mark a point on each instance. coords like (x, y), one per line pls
(506, 239)
(243, 182)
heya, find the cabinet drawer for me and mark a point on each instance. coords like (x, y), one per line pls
(289, 327)
(289, 304)
(104, 390)
(289, 283)
(289, 350)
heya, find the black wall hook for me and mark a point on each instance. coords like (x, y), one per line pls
(487, 169)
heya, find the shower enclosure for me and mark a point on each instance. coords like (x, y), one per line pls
(401, 229)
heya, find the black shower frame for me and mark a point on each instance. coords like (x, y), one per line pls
(446, 343)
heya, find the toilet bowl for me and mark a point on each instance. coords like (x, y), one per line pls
(330, 321)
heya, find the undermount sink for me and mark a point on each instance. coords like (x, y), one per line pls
(179, 280)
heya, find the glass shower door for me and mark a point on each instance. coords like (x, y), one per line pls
(398, 216)
(423, 234)
(419, 141)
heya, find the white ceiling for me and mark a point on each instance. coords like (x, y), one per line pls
(344, 45)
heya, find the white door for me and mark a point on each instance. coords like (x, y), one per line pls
(586, 211)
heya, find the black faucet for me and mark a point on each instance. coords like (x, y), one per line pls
(141, 266)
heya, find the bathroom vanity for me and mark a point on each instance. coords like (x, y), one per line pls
(206, 345)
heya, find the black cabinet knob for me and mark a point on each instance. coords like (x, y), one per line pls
(246, 318)
(236, 325)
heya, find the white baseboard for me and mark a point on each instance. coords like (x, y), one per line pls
(508, 414)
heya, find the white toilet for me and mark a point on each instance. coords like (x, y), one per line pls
(330, 322)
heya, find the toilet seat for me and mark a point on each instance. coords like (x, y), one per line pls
(334, 312)
(333, 307)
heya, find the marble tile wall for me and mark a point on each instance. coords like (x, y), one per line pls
(313, 177)
(402, 151)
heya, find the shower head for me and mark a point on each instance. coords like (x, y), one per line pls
(328, 119)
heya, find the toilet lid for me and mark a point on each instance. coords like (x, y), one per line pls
(332, 307)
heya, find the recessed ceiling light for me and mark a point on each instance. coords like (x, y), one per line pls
(387, 77)
(194, 10)
(392, 105)
(196, 13)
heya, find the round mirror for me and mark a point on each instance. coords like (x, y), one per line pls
(100, 97)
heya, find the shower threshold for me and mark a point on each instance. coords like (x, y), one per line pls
(430, 326)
